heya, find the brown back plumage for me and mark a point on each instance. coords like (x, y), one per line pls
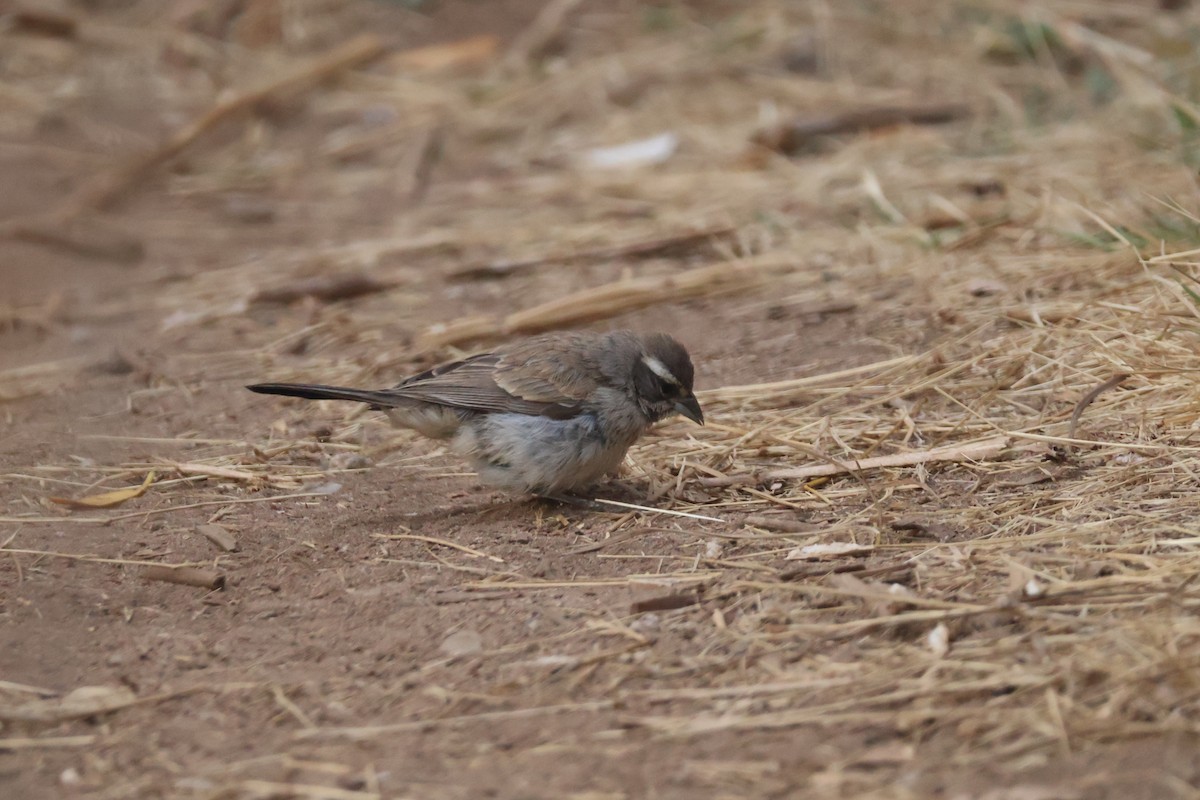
(549, 375)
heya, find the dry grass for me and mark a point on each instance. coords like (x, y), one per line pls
(1010, 605)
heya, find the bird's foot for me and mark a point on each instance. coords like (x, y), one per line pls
(572, 500)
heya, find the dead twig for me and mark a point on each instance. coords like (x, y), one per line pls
(44, 22)
(860, 570)
(327, 288)
(800, 133)
(462, 548)
(86, 701)
(186, 576)
(664, 602)
(776, 523)
(643, 248)
(90, 701)
(609, 300)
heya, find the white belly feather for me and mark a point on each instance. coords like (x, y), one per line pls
(521, 453)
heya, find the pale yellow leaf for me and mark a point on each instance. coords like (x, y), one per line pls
(107, 499)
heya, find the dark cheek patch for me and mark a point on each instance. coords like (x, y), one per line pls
(646, 383)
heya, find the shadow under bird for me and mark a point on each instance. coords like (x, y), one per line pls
(549, 414)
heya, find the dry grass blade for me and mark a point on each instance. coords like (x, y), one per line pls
(10, 686)
(462, 548)
(650, 510)
(274, 789)
(232, 501)
(214, 471)
(127, 562)
(86, 701)
(768, 392)
(975, 451)
(369, 731)
(36, 379)
(686, 579)
(47, 742)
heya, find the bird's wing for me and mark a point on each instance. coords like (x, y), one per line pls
(542, 377)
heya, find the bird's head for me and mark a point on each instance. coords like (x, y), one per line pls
(662, 376)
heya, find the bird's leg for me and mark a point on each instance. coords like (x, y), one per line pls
(572, 500)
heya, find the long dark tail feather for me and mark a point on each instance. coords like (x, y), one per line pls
(311, 391)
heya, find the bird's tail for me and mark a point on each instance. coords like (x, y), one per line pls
(310, 391)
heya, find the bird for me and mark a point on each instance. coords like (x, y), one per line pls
(548, 415)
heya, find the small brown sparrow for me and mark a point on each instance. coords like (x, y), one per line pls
(549, 414)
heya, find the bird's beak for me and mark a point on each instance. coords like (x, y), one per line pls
(690, 408)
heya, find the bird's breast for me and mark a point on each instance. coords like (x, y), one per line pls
(525, 453)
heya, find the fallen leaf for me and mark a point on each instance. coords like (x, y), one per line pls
(107, 499)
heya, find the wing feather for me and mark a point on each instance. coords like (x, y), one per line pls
(544, 376)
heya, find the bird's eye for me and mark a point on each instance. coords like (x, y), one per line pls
(667, 388)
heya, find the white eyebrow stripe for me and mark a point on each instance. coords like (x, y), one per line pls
(659, 369)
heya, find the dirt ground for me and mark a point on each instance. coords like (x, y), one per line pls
(969, 258)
